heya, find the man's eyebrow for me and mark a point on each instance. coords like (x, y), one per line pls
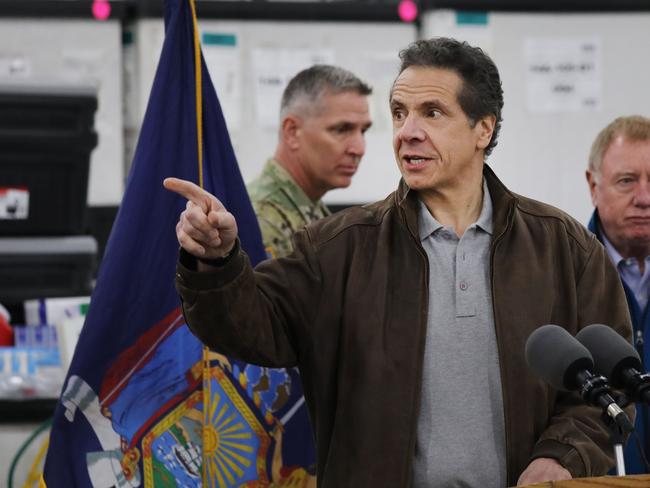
(338, 124)
(348, 125)
(435, 103)
(625, 172)
(426, 105)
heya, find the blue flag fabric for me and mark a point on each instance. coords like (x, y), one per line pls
(143, 403)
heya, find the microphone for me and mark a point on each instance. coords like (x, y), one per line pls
(617, 359)
(559, 359)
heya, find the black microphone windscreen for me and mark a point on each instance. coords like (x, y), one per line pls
(557, 357)
(612, 353)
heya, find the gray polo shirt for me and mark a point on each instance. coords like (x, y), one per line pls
(461, 433)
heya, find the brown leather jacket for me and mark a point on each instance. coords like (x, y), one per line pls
(349, 307)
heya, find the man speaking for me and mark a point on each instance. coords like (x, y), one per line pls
(408, 317)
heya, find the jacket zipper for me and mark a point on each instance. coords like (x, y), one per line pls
(500, 352)
(411, 451)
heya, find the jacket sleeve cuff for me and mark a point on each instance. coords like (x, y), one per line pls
(188, 276)
(564, 454)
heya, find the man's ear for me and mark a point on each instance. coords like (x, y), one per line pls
(291, 131)
(485, 127)
(591, 181)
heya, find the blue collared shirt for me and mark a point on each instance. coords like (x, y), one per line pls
(631, 273)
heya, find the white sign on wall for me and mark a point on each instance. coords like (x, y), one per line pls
(563, 75)
(273, 68)
(222, 54)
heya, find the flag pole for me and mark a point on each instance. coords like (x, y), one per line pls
(198, 91)
(199, 139)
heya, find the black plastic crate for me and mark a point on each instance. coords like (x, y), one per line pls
(46, 267)
(46, 138)
(50, 114)
(43, 192)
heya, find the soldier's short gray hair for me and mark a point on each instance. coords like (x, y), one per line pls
(305, 90)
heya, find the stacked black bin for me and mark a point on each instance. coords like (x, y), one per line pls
(46, 138)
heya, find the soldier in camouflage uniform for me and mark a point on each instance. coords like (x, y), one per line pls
(323, 118)
(282, 208)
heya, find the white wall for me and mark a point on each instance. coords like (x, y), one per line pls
(75, 52)
(250, 75)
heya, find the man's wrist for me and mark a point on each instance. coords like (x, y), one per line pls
(220, 261)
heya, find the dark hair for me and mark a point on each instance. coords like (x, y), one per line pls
(310, 84)
(481, 93)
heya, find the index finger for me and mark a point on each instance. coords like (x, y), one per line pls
(193, 192)
(185, 188)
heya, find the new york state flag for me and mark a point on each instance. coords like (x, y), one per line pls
(144, 403)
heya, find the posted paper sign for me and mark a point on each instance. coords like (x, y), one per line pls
(14, 203)
(563, 75)
(273, 70)
(222, 56)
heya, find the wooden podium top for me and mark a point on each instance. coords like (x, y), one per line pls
(635, 481)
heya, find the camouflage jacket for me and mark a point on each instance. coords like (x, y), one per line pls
(282, 208)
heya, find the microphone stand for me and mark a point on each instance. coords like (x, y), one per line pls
(595, 391)
(638, 391)
(617, 438)
(617, 434)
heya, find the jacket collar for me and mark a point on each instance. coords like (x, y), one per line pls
(594, 225)
(502, 200)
